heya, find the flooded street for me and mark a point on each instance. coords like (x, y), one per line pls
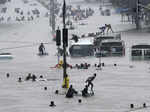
(115, 87)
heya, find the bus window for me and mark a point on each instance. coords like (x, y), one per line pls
(112, 44)
(117, 49)
(146, 52)
(136, 52)
(112, 48)
(105, 48)
(81, 50)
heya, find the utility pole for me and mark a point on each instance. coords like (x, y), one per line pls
(65, 40)
(52, 15)
(58, 42)
(65, 44)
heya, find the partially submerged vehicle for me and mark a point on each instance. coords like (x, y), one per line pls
(140, 52)
(100, 38)
(6, 56)
(111, 47)
(84, 47)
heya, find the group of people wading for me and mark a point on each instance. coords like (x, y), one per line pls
(85, 92)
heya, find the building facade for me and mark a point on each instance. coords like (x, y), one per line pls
(3, 1)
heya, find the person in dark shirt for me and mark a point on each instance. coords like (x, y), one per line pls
(103, 28)
(41, 49)
(89, 81)
(108, 27)
(71, 91)
(85, 91)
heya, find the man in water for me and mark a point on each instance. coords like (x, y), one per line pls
(71, 91)
(103, 28)
(89, 81)
(108, 27)
(85, 91)
(41, 49)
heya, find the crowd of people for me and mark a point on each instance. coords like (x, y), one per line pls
(74, 13)
(29, 77)
(86, 92)
(77, 13)
(82, 66)
(18, 14)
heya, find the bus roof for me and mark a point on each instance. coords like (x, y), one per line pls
(110, 36)
(84, 41)
(111, 40)
(141, 46)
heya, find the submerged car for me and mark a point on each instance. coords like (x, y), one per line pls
(6, 56)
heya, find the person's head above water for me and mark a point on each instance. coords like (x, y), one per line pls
(95, 74)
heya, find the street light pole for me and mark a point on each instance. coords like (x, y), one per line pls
(137, 15)
(65, 43)
(64, 14)
(52, 15)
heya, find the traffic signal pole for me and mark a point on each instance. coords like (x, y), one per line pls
(137, 14)
(65, 37)
(65, 44)
(58, 42)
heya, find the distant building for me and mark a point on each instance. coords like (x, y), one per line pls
(3, 1)
(132, 3)
(102, 1)
(128, 3)
(129, 8)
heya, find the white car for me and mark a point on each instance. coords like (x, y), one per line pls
(6, 56)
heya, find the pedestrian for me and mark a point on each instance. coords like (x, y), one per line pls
(19, 79)
(41, 49)
(66, 82)
(7, 75)
(52, 104)
(28, 77)
(75, 38)
(108, 27)
(71, 91)
(34, 77)
(85, 91)
(102, 29)
(89, 81)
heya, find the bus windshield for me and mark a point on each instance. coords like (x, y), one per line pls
(112, 44)
(81, 50)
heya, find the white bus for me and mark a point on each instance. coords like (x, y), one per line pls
(84, 47)
(140, 52)
(111, 47)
